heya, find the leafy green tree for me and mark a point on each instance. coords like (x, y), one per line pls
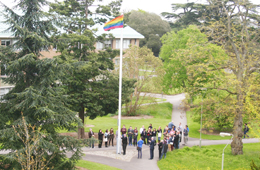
(92, 88)
(235, 28)
(187, 61)
(151, 26)
(141, 65)
(36, 93)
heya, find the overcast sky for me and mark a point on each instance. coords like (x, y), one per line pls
(155, 6)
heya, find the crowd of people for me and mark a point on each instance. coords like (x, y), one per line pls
(167, 139)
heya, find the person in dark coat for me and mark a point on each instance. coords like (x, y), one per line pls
(176, 140)
(144, 136)
(100, 138)
(135, 136)
(160, 146)
(164, 149)
(111, 136)
(124, 143)
(152, 144)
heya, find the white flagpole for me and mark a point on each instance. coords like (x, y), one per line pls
(118, 147)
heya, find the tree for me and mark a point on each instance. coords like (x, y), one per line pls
(36, 93)
(91, 87)
(140, 64)
(184, 15)
(31, 156)
(151, 26)
(192, 64)
(235, 28)
(238, 33)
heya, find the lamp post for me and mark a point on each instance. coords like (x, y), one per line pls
(201, 115)
(201, 120)
(223, 134)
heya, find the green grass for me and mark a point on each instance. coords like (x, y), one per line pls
(195, 127)
(161, 112)
(94, 166)
(209, 158)
(146, 99)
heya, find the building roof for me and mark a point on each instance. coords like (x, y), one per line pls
(128, 32)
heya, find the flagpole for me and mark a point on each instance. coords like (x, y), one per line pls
(118, 148)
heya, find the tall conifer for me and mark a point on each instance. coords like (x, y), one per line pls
(37, 93)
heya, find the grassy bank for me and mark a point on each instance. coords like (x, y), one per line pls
(94, 166)
(161, 116)
(146, 99)
(209, 158)
(195, 130)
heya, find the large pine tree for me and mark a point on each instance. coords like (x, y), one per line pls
(91, 87)
(37, 93)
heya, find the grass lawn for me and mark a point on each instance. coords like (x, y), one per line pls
(195, 127)
(94, 166)
(161, 117)
(209, 158)
(147, 99)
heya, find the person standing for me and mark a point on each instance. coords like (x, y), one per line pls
(140, 145)
(124, 143)
(100, 138)
(111, 137)
(159, 132)
(144, 134)
(91, 137)
(176, 140)
(170, 125)
(135, 136)
(130, 133)
(151, 126)
(149, 135)
(141, 131)
(160, 146)
(154, 134)
(180, 130)
(165, 131)
(186, 133)
(246, 129)
(164, 149)
(123, 130)
(171, 139)
(152, 144)
(106, 137)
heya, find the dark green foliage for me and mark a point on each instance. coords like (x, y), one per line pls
(91, 87)
(150, 25)
(184, 15)
(36, 93)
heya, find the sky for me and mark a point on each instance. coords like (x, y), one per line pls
(154, 6)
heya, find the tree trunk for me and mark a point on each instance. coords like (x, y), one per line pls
(237, 144)
(81, 130)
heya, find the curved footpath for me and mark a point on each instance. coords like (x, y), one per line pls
(129, 161)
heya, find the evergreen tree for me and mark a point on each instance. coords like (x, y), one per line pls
(91, 87)
(36, 93)
(151, 26)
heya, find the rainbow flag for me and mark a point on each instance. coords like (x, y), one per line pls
(117, 22)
